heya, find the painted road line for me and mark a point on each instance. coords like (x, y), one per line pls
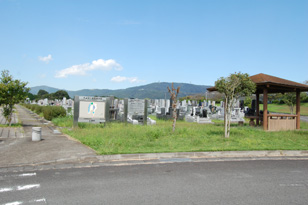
(27, 187)
(20, 188)
(38, 200)
(31, 202)
(18, 175)
(6, 189)
(27, 174)
(14, 203)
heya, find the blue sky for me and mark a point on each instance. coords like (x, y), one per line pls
(118, 44)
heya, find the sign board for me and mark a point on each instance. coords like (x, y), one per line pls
(91, 109)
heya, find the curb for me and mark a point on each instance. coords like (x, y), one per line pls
(157, 158)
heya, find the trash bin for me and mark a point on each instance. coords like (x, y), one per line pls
(36, 133)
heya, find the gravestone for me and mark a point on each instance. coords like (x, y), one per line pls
(64, 101)
(221, 103)
(136, 111)
(45, 102)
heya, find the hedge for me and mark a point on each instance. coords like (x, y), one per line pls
(49, 112)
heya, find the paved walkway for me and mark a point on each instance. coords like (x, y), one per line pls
(304, 118)
(52, 148)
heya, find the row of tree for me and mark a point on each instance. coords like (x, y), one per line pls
(42, 94)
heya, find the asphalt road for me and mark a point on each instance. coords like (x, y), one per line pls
(242, 182)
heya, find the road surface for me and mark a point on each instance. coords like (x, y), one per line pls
(237, 182)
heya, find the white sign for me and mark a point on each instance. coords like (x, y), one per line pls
(88, 109)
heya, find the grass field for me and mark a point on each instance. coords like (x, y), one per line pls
(285, 109)
(118, 138)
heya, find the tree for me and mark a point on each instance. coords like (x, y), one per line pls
(290, 100)
(248, 101)
(233, 87)
(60, 94)
(173, 94)
(41, 93)
(11, 92)
(31, 96)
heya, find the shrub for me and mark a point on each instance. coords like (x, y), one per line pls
(38, 109)
(51, 112)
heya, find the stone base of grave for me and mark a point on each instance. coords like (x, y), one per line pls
(203, 120)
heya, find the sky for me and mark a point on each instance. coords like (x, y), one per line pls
(118, 44)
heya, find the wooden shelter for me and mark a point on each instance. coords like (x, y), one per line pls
(269, 84)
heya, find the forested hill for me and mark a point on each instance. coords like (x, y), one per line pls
(152, 91)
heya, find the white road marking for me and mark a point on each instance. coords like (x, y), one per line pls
(14, 203)
(31, 201)
(26, 187)
(40, 200)
(20, 188)
(6, 189)
(18, 175)
(27, 174)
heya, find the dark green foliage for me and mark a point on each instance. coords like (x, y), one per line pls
(247, 101)
(60, 94)
(49, 112)
(38, 109)
(31, 96)
(41, 93)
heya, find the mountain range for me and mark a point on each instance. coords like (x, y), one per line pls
(152, 91)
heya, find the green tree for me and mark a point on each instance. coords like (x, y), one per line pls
(42, 93)
(248, 101)
(233, 87)
(31, 96)
(290, 100)
(11, 92)
(60, 94)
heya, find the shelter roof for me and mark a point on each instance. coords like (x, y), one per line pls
(273, 84)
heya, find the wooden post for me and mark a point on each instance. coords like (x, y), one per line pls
(76, 111)
(265, 123)
(257, 108)
(125, 110)
(298, 108)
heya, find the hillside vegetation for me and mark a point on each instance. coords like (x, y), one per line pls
(152, 91)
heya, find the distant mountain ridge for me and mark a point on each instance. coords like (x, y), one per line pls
(152, 91)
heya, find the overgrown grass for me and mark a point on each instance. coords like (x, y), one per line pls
(118, 138)
(283, 108)
(12, 125)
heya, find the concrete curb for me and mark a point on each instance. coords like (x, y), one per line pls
(157, 158)
(225, 154)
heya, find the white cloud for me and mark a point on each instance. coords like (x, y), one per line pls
(119, 79)
(45, 59)
(82, 69)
